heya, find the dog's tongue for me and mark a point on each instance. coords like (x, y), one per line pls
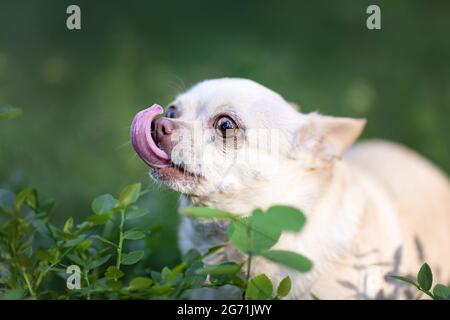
(142, 140)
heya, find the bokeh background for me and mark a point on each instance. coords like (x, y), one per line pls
(79, 90)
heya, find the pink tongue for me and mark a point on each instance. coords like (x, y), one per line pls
(142, 140)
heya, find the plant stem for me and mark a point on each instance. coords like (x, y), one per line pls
(86, 277)
(45, 272)
(121, 237)
(30, 289)
(249, 266)
(428, 293)
(250, 255)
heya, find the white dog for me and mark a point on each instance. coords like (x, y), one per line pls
(374, 209)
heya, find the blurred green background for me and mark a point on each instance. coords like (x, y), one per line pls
(79, 90)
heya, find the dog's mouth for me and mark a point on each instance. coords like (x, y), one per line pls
(146, 146)
(174, 173)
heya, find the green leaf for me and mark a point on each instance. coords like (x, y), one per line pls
(206, 213)
(165, 273)
(220, 269)
(99, 218)
(289, 259)
(405, 279)
(192, 256)
(80, 262)
(47, 206)
(286, 218)
(113, 273)
(43, 254)
(134, 235)
(132, 257)
(114, 285)
(314, 297)
(51, 256)
(28, 196)
(284, 287)
(238, 234)
(98, 284)
(213, 250)
(130, 194)
(140, 283)
(135, 212)
(84, 245)
(441, 292)
(238, 282)
(8, 112)
(253, 234)
(191, 275)
(261, 231)
(68, 225)
(425, 277)
(103, 203)
(259, 288)
(99, 262)
(174, 276)
(104, 240)
(264, 233)
(74, 242)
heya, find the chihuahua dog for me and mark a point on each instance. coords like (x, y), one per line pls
(373, 209)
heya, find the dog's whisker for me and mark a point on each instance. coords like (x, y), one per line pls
(123, 145)
(177, 83)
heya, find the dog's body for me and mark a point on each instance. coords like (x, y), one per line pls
(372, 210)
(386, 212)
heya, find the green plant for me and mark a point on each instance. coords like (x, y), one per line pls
(110, 246)
(255, 235)
(424, 283)
(34, 251)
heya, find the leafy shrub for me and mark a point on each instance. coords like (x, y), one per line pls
(108, 251)
(424, 283)
(255, 235)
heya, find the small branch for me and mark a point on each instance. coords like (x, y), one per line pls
(249, 266)
(30, 288)
(86, 277)
(121, 238)
(428, 293)
(250, 254)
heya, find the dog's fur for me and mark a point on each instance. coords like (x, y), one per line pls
(374, 209)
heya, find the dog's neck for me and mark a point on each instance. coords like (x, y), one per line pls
(320, 198)
(326, 206)
(288, 187)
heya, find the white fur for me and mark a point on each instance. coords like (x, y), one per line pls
(374, 210)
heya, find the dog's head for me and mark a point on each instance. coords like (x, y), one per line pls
(229, 137)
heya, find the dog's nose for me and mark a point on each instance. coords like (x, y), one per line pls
(162, 134)
(164, 127)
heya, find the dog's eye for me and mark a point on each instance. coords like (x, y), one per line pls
(172, 112)
(226, 126)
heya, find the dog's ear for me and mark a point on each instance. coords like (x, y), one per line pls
(323, 138)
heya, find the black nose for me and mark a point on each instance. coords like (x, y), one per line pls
(162, 133)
